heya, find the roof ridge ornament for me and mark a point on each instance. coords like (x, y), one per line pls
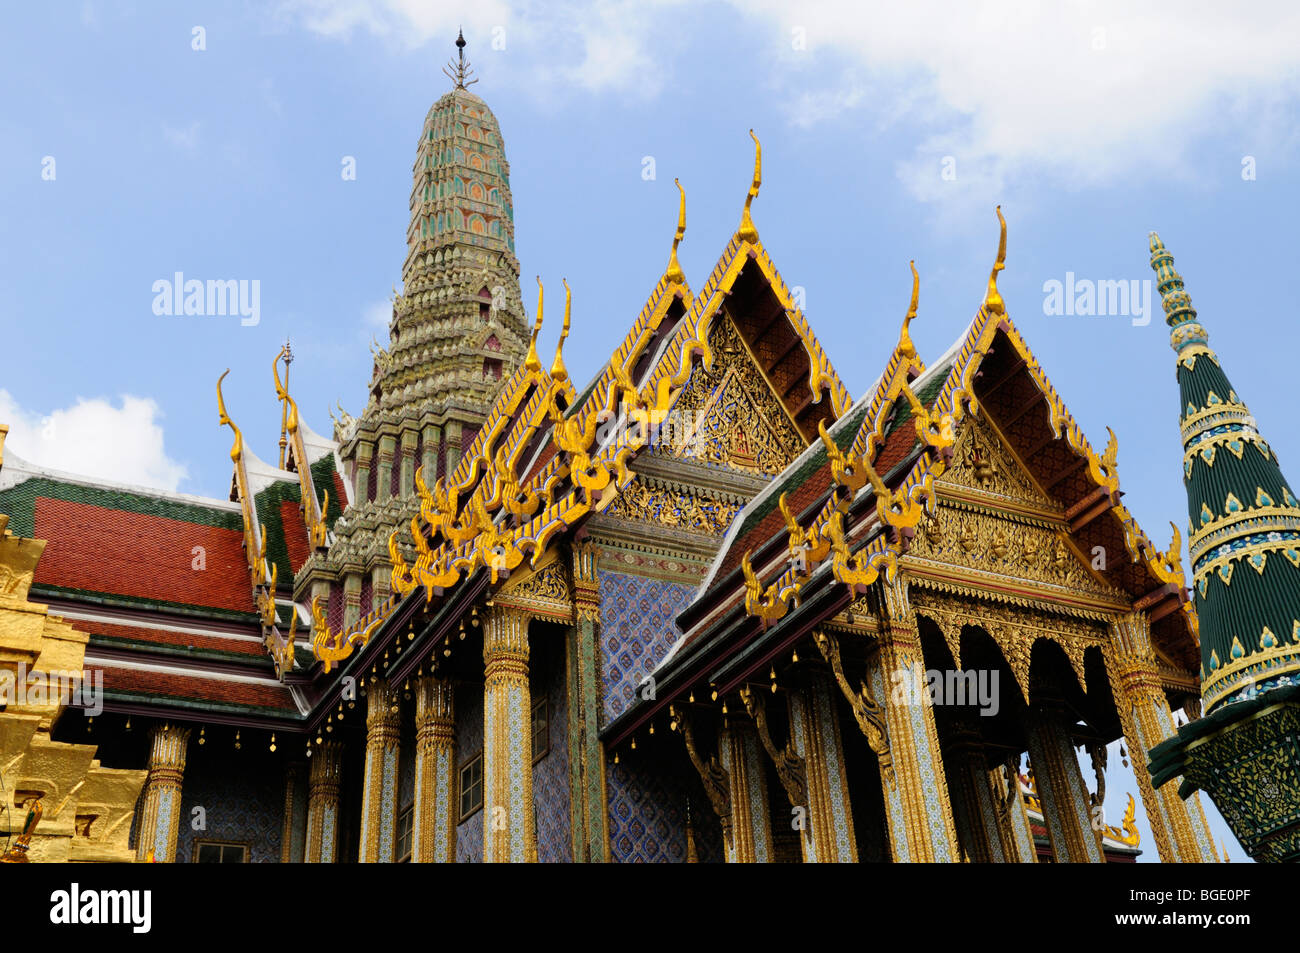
(462, 70)
(906, 349)
(674, 274)
(532, 361)
(747, 232)
(558, 370)
(993, 303)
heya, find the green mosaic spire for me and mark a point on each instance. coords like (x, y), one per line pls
(1244, 520)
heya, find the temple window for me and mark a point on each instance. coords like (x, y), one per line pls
(471, 786)
(405, 827)
(220, 852)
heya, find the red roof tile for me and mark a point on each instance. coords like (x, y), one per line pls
(174, 685)
(132, 554)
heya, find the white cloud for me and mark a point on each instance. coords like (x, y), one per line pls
(1081, 93)
(93, 438)
(183, 137)
(1076, 94)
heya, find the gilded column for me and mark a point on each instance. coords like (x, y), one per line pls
(379, 793)
(434, 828)
(589, 815)
(453, 433)
(1013, 823)
(917, 808)
(509, 834)
(972, 798)
(1067, 809)
(751, 833)
(323, 786)
(294, 834)
(161, 817)
(815, 733)
(384, 477)
(1179, 827)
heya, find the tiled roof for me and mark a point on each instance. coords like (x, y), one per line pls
(150, 685)
(132, 636)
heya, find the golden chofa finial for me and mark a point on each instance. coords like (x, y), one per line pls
(674, 274)
(223, 419)
(993, 300)
(532, 361)
(558, 371)
(906, 350)
(747, 232)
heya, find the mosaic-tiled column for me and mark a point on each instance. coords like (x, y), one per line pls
(324, 784)
(380, 581)
(379, 791)
(509, 829)
(293, 837)
(365, 458)
(1178, 827)
(436, 811)
(751, 827)
(453, 433)
(351, 598)
(917, 808)
(429, 454)
(384, 473)
(973, 806)
(161, 817)
(589, 817)
(406, 478)
(1067, 810)
(1013, 823)
(815, 732)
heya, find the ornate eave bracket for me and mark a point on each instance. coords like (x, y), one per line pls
(789, 764)
(869, 715)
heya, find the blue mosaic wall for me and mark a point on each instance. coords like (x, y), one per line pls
(636, 632)
(243, 798)
(469, 742)
(647, 814)
(551, 776)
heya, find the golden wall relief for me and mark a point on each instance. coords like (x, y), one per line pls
(675, 508)
(1016, 549)
(729, 415)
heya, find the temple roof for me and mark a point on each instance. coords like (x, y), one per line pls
(904, 429)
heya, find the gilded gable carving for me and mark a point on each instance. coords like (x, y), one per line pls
(982, 463)
(736, 419)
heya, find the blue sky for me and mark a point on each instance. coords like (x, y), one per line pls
(1090, 124)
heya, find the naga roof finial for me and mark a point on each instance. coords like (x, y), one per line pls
(674, 274)
(747, 231)
(459, 72)
(906, 349)
(993, 300)
(532, 361)
(223, 419)
(558, 370)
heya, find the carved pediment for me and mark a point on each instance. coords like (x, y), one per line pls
(982, 463)
(730, 416)
(998, 527)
